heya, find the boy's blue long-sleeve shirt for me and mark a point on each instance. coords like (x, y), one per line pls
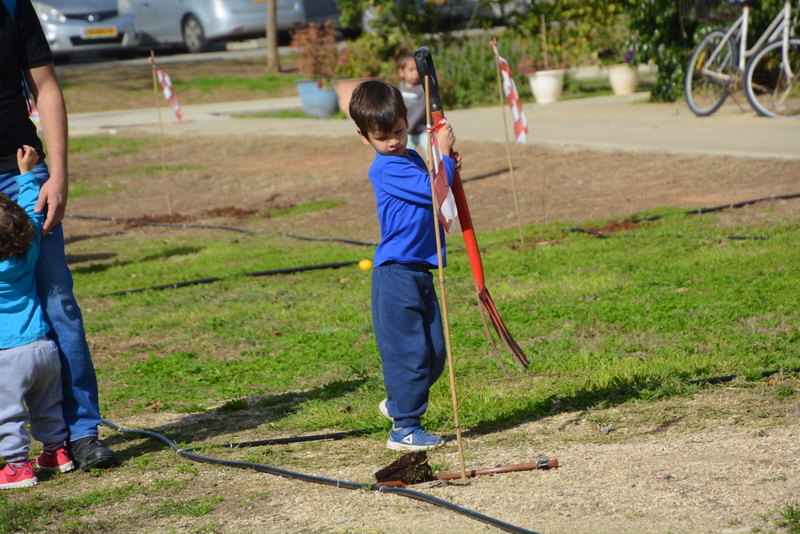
(21, 313)
(403, 200)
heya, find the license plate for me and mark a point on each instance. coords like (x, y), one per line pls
(100, 33)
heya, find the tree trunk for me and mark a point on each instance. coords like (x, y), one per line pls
(273, 61)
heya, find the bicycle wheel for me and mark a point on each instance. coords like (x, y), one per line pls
(771, 90)
(706, 85)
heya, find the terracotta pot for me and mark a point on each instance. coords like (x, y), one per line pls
(344, 90)
(547, 85)
(623, 79)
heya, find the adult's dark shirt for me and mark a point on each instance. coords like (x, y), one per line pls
(22, 46)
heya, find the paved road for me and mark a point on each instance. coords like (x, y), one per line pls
(601, 123)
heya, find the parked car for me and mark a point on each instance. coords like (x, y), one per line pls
(196, 24)
(87, 26)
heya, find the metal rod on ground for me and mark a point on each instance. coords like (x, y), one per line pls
(508, 148)
(161, 128)
(445, 316)
(541, 464)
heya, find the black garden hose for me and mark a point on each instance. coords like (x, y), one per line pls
(326, 481)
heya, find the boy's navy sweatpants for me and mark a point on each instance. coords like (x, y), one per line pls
(408, 329)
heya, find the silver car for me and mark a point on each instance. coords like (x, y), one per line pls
(87, 26)
(196, 24)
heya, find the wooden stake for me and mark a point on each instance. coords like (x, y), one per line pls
(544, 42)
(445, 316)
(161, 128)
(508, 147)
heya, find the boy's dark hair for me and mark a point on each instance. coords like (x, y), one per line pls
(376, 106)
(403, 55)
(16, 228)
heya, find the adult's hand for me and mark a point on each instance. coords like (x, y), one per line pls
(53, 117)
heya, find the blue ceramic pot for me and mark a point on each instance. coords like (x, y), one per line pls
(318, 98)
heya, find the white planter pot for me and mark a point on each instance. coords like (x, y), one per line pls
(623, 79)
(547, 85)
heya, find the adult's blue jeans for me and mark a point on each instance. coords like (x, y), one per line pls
(54, 287)
(408, 330)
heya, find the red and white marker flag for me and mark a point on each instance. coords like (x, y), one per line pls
(33, 112)
(510, 90)
(444, 195)
(166, 85)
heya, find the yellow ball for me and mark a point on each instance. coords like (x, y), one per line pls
(365, 265)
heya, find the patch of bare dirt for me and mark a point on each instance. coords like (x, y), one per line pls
(553, 185)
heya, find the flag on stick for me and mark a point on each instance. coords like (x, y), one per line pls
(510, 90)
(444, 195)
(166, 85)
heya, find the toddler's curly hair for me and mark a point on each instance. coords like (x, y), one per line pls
(16, 228)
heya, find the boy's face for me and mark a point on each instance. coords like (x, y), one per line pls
(409, 72)
(388, 143)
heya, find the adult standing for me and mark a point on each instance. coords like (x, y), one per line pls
(25, 56)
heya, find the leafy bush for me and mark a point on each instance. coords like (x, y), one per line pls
(395, 20)
(467, 72)
(369, 55)
(663, 33)
(317, 54)
(575, 29)
(659, 34)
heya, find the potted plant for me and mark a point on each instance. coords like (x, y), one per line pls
(544, 64)
(547, 81)
(317, 56)
(357, 62)
(623, 76)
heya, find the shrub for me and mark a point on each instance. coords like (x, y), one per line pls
(467, 72)
(664, 33)
(317, 54)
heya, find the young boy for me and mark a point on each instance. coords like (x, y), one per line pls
(29, 360)
(414, 97)
(405, 310)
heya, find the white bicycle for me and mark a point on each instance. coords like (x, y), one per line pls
(721, 63)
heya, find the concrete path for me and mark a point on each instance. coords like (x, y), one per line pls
(600, 123)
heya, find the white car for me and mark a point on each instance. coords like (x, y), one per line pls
(195, 24)
(87, 26)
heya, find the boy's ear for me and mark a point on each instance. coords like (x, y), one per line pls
(364, 140)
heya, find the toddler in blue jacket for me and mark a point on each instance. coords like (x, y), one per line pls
(29, 360)
(405, 310)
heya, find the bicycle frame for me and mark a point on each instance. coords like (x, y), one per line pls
(780, 26)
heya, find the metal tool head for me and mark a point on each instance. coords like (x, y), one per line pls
(425, 67)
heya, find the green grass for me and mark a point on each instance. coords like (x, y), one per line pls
(791, 516)
(262, 84)
(288, 114)
(108, 145)
(634, 317)
(307, 207)
(115, 183)
(21, 516)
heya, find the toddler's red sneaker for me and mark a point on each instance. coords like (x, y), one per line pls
(56, 460)
(18, 475)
